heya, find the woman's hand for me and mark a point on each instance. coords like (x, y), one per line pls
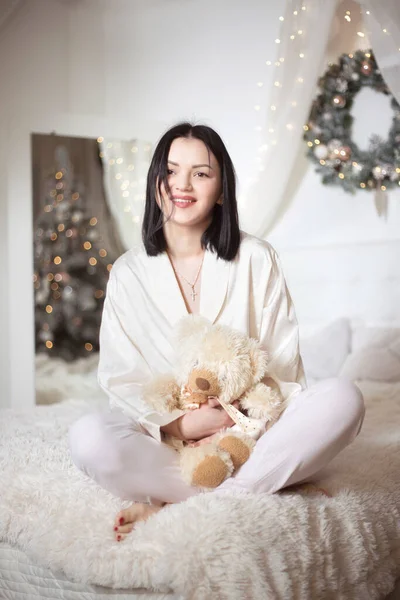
(205, 421)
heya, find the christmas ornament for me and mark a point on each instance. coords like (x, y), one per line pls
(366, 67)
(344, 153)
(339, 101)
(334, 144)
(321, 151)
(341, 85)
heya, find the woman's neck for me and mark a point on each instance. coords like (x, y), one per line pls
(183, 242)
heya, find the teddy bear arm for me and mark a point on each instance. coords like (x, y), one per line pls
(262, 402)
(162, 393)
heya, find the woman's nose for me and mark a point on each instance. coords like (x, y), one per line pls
(183, 183)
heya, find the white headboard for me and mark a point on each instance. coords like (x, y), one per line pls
(358, 281)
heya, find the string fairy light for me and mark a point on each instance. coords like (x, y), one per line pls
(278, 84)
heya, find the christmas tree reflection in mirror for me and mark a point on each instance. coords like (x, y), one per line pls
(80, 228)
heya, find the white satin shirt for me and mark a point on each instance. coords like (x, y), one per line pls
(144, 301)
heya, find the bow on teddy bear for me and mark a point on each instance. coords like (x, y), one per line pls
(216, 360)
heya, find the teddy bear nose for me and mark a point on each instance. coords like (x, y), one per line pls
(202, 384)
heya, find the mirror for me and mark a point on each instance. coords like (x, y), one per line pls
(88, 196)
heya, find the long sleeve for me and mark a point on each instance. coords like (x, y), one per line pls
(122, 368)
(279, 334)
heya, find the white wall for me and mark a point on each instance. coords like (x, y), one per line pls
(130, 68)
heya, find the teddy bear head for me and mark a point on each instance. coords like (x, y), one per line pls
(203, 383)
(216, 360)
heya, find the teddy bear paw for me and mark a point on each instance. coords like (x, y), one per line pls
(238, 449)
(205, 466)
(210, 473)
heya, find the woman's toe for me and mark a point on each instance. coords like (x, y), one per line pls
(125, 516)
(124, 528)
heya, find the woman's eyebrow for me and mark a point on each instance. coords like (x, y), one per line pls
(193, 166)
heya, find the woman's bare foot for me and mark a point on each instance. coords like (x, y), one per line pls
(126, 519)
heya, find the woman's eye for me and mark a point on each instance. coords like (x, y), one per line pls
(200, 173)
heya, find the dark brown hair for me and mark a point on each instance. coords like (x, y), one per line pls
(223, 234)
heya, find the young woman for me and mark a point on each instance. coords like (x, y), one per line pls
(195, 259)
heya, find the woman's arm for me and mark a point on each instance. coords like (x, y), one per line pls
(201, 423)
(122, 368)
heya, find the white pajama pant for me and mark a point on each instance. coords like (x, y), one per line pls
(115, 451)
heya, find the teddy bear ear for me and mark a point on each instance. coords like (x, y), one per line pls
(258, 360)
(190, 330)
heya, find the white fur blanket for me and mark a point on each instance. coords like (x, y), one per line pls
(288, 546)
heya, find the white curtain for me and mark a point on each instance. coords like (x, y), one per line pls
(303, 39)
(306, 32)
(382, 25)
(125, 170)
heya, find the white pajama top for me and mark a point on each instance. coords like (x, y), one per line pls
(143, 302)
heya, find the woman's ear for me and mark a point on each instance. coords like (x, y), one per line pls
(220, 200)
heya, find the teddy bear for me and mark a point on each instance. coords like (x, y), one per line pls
(215, 360)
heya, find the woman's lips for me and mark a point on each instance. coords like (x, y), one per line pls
(183, 202)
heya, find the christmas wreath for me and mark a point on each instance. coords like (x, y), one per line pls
(328, 132)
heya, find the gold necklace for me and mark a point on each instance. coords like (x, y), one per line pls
(193, 293)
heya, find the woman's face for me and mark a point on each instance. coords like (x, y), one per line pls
(194, 177)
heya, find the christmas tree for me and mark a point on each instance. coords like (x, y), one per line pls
(71, 270)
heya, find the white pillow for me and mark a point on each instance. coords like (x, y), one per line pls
(374, 337)
(377, 364)
(325, 351)
(375, 356)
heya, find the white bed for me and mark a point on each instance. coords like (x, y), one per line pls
(290, 546)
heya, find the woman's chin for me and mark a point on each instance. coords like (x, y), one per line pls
(186, 221)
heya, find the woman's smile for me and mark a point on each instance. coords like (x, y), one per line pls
(183, 201)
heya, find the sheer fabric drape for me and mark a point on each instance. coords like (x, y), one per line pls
(309, 29)
(125, 166)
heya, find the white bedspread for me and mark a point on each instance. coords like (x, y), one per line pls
(286, 546)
